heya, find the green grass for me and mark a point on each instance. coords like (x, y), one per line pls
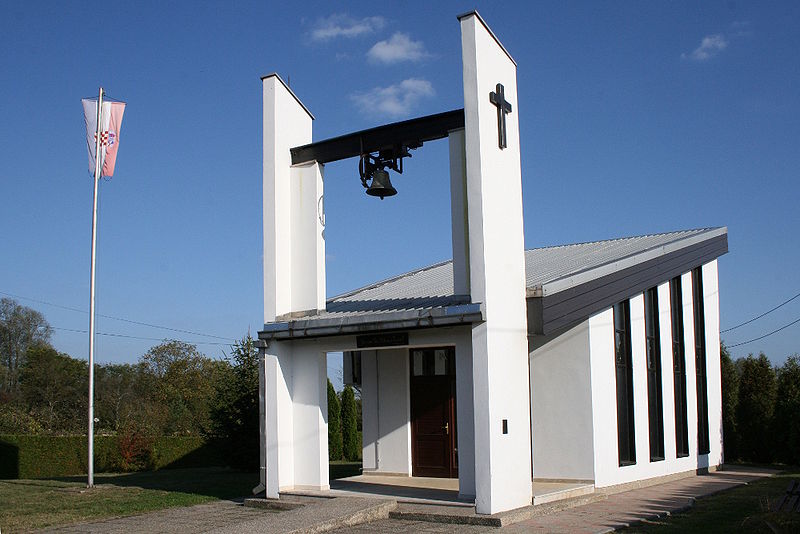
(38, 503)
(741, 509)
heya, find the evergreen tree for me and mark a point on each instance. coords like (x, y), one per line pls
(755, 410)
(787, 412)
(334, 425)
(730, 400)
(234, 413)
(349, 425)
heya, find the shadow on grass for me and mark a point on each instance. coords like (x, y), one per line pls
(341, 469)
(218, 482)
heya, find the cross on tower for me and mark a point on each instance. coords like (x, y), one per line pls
(498, 98)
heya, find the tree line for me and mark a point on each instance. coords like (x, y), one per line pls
(172, 390)
(760, 409)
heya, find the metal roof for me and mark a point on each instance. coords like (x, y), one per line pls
(427, 294)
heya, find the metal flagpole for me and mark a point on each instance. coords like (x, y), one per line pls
(97, 172)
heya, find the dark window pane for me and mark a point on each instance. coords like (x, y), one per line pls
(624, 380)
(700, 361)
(679, 368)
(655, 410)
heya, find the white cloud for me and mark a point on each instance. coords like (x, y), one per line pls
(341, 25)
(399, 47)
(710, 46)
(395, 100)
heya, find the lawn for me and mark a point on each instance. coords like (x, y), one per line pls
(31, 504)
(38, 503)
(742, 509)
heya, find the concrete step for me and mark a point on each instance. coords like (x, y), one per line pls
(562, 494)
(467, 516)
(312, 515)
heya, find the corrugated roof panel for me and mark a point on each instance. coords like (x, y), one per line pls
(432, 287)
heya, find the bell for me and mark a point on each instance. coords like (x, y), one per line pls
(381, 186)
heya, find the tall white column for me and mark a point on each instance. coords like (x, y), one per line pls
(310, 417)
(465, 422)
(294, 243)
(278, 419)
(294, 402)
(497, 274)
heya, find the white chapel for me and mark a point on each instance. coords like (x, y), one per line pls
(596, 363)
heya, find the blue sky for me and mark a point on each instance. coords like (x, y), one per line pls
(635, 118)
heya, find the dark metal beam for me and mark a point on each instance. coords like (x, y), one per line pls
(412, 132)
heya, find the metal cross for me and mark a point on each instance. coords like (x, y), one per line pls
(498, 98)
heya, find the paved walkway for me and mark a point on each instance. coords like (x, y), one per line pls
(615, 512)
(630, 507)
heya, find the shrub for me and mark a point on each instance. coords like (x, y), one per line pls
(334, 425)
(350, 445)
(135, 449)
(56, 456)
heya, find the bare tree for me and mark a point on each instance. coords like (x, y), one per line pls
(20, 329)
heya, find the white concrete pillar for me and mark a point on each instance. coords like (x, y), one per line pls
(294, 403)
(294, 246)
(465, 422)
(497, 275)
(310, 417)
(713, 370)
(278, 418)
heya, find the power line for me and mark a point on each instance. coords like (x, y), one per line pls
(111, 334)
(760, 316)
(131, 321)
(765, 335)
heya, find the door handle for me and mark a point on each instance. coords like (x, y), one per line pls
(446, 428)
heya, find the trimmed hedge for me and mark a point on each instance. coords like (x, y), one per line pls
(35, 456)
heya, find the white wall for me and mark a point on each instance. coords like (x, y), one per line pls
(604, 416)
(497, 276)
(561, 406)
(713, 373)
(386, 428)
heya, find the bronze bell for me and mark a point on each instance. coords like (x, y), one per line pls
(381, 186)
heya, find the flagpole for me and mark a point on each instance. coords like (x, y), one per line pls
(97, 173)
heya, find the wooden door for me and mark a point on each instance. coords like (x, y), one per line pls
(433, 430)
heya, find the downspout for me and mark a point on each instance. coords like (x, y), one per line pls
(262, 414)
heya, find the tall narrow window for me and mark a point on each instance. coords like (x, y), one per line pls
(679, 368)
(655, 410)
(700, 361)
(622, 357)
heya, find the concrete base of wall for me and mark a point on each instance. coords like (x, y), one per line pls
(644, 483)
(375, 473)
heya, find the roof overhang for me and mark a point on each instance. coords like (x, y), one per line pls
(565, 302)
(460, 314)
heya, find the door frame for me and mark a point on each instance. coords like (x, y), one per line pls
(449, 378)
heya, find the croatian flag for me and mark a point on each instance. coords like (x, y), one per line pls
(110, 123)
